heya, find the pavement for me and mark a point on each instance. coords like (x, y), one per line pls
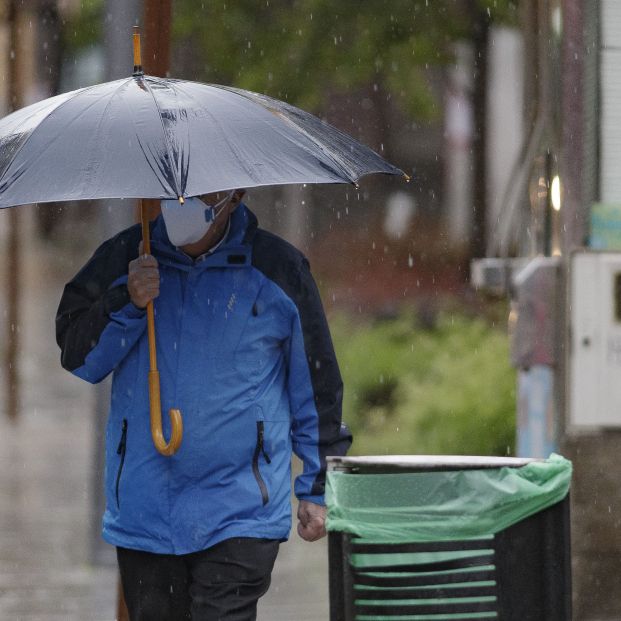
(47, 494)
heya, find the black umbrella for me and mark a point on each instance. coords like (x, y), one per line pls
(148, 137)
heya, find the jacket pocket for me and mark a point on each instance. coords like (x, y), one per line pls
(121, 451)
(258, 451)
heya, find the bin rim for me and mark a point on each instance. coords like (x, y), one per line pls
(424, 463)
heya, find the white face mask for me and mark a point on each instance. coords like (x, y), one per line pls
(188, 223)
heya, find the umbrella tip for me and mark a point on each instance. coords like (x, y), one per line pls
(137, 53)
(407, 177)
(181, 200)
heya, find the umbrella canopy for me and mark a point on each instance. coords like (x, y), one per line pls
(148, 137)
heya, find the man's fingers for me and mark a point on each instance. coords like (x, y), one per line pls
(312, 531)
(143, 261)
(143, 281)
(146, 273)
(312, 518)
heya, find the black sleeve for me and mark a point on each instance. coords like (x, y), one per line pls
(334, 436)
(91, 296)
(289, 269)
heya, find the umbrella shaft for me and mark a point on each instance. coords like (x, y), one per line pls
(151, 335)
(146, 249)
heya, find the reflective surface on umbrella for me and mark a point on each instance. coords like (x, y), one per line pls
(147, 137)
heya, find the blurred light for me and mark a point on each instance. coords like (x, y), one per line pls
(557, 21)
(556, 193)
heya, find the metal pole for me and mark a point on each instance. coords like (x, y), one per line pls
(480, 40)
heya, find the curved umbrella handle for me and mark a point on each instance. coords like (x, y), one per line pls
(176, 422)
(165, 448)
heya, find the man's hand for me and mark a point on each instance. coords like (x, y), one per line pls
(312, 521)
(143, 280)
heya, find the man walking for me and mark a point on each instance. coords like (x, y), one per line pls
(245, 353)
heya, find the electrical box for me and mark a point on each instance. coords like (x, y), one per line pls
(595, 340)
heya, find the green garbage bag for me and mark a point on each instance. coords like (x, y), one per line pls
(442, 505)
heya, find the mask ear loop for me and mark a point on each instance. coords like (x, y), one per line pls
(218, 207)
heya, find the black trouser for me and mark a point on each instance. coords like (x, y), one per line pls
(222, 583)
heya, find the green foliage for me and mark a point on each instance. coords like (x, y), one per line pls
(299, 50)
(450, 390)
(84, 28)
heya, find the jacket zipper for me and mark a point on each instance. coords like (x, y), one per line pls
(260, 450)
(121, 451)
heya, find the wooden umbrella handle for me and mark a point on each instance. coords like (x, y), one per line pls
(155, 407)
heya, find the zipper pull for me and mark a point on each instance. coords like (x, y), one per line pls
(123, 441)
(261, 430)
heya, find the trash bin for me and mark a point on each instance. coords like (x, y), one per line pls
(434, 538)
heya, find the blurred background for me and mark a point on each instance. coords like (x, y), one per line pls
(450, 298)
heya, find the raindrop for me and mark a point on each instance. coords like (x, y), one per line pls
(410, 261)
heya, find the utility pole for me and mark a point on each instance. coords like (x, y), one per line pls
(120, 17)
(12, 383)
(156, 62)
(156, 55)
(590, 37)
(157, 29)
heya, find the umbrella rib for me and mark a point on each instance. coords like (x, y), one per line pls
(159, 170)
(322, 147)
(221, 132)
(47, 116)
(184, 167)
(166, 141)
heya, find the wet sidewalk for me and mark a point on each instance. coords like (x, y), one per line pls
(47, 496)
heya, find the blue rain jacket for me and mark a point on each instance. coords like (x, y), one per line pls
(244, 351)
